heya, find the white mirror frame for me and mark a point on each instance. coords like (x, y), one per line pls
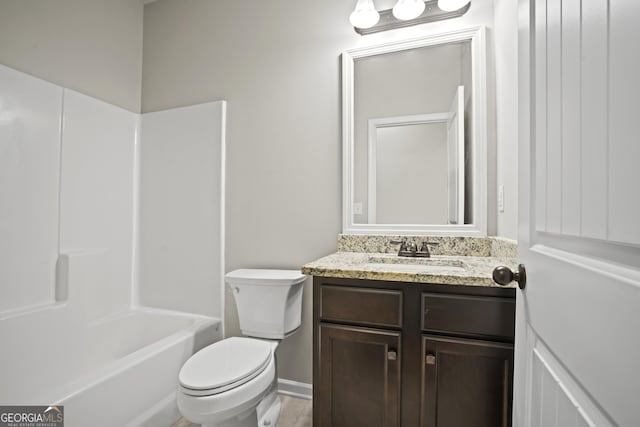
(478, 129)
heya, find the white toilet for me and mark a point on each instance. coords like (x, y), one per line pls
(233, 382)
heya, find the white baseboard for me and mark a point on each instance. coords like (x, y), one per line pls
(295, 389)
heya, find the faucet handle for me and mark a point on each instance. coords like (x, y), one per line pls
(426, 244)
(402, 243)
(403, 246)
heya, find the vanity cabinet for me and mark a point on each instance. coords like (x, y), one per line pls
(411, 354)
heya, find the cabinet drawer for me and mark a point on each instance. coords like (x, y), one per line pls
(469, 315)
(378, 307)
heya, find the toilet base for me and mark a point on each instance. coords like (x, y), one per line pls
(249, 419)
(265, 415)
(268, 410)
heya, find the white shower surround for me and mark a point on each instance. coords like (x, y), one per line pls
(72, 330)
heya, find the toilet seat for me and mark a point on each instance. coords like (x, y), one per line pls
(224, 365)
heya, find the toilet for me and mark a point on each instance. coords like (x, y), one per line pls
(233, 382)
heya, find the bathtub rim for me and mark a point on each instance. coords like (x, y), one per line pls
(102, 373)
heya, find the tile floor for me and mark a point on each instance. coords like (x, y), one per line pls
(294, 413)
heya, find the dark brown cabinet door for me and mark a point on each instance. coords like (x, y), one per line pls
(466, 382)
(359, 377)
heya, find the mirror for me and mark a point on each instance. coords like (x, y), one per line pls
(414, 136)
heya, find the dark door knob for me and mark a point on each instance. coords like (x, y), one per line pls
(504, 275)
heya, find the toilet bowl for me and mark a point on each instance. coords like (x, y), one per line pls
(233, 383)
(223, 384)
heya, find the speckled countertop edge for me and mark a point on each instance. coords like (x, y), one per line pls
(504, 249)
(357, 265)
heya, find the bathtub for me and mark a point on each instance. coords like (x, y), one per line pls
(117, 370)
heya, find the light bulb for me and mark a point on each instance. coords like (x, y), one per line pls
(408, 9)
(451, 5)
(364, 15)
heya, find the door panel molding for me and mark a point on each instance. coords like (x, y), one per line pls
(607, 270)
(584, 105)
(557, 399)
(591, 248)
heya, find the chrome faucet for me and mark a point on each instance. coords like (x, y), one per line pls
(410, 249)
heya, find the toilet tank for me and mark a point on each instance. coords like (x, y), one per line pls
(269, 302)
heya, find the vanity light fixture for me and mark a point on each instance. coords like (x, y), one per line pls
(451, 5)
(364, 15)
(408, 9)
(366, 19)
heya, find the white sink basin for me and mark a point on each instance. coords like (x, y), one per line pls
(416, 265)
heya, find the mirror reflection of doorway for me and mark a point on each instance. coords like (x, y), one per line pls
(416, 167)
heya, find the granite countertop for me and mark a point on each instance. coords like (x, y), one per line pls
(446, 270)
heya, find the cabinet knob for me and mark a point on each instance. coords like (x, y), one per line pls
(392, 355)
(430, 359)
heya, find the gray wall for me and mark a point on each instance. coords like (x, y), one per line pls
(277, 63)
(506, 60)
(94, 47)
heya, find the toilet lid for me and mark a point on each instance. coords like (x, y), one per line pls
(225, 362)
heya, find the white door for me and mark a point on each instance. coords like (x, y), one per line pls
(578, 319)
(455, 157)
